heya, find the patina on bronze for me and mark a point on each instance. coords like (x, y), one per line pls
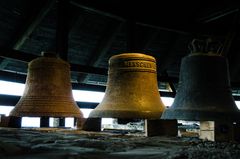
(204, 91)
(48, 90)
(132, 90)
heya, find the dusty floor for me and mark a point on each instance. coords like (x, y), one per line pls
(74, 144)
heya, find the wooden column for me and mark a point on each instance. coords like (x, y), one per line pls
(92, 124)
(15, 122)
(160, 127)
(62, 122)
(44, 121)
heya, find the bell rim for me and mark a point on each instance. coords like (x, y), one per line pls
(200, 115)
(125, 114)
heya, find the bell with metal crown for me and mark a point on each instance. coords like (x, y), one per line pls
(48, 90)
(132, 90)
(204, 91)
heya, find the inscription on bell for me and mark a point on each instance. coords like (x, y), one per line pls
(137, 64)
(132, 64)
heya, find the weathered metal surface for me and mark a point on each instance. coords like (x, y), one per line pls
(204, 91)
(48, 90)
(132, 90)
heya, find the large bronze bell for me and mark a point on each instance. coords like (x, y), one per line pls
(132, 90)
(204, 91)
(48, 90)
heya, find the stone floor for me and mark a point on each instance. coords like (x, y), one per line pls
(75, 144)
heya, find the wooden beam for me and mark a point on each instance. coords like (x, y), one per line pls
(150, 38)
(217, 15)
(88, 87)
(90, 9)
(31, 24)
(21, 78)
(165, 28)
(145, 14)
(26, 57)
(17, 55)
(12, 77)
(144, 37)
(9, 100)
(3, 63)
(167, 58)
(88, 69)
(62, 31)
(105, 42)
(103, 45)
(117, 17)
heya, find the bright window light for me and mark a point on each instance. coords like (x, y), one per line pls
(30, 122)
(5, 109)
(167, 101)
(11, 88)
(107, 120)
(88, 96)
(86, 112)
(51, 120)
(238, 104)
(69, 122)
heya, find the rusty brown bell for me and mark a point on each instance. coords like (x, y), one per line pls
(132, 90)
(48, 90)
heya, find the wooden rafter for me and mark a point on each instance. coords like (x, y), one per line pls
(117, 17)
(26, 57)
(102, 46)
(31, 24)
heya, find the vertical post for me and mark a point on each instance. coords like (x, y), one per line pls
(44, 121)
(75, 122)
(160, 127)
(15, 122)
(62, 29)
(217, 130)
(224, 131)
(92, 124)
(62, 122)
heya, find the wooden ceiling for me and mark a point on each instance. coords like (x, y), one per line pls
(86, 33)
